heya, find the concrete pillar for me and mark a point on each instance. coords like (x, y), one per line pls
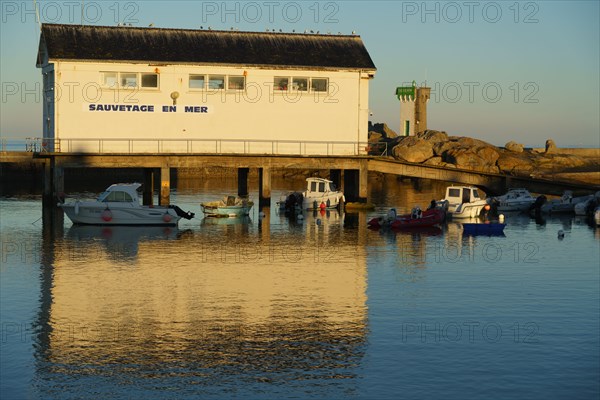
(165, 186)
(243, 182)
(148, 195)
(264, 186)
(47, 186)
(58, 182)
(363, 183)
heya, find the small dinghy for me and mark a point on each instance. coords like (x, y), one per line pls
(230, 206)
(415, 219)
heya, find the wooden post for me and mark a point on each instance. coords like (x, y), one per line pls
(264, 186)
(165, 186)
(148, 195)
(243, 182)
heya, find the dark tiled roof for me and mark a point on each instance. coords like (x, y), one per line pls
(80, 42)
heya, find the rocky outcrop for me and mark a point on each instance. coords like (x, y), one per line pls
(381, 129)
(413, 149)
(514, 147)
(438, 149)
(550, 146)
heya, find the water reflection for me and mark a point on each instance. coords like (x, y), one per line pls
(221, 305)
(120, 242)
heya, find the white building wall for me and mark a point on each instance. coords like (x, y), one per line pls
(407, 113)
(257, 113)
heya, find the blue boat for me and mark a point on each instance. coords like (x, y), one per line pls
(494, 228)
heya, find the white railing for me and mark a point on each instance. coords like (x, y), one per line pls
(197, 146)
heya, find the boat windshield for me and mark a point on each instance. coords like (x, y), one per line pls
(117, 196)
(475, 193)
(102, 196)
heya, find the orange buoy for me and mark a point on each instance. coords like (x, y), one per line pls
(167, 218)
(322, 206)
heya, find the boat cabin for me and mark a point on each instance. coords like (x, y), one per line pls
(120, 193)
(319, 185)
(462, 194)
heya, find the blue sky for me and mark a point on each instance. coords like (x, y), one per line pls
(499, 71)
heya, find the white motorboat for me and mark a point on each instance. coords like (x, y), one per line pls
(463, 202)
(230, 206)
(515, 200)
(565, 204)
(120, 205)
(319, 194)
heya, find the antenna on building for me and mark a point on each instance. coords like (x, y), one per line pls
(81, 12)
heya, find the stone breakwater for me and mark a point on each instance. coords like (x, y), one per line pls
(437, 148)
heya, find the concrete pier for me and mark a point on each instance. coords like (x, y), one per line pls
(350, 171)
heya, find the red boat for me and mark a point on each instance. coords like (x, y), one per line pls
(418, 219)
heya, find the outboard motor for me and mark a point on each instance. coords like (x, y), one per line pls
(537, 205)
(181, 213)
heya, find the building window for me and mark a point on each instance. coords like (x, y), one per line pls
(235, 82)
(197, 81)
(281, 83)
(300, 84)
(150, 81)
(109, 79)
(216, 81)
(128, 80)
(318, 84)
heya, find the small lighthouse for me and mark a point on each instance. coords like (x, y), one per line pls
(413, 108)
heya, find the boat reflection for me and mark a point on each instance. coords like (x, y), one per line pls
(243, 220)
(201, 307)
(118, 241)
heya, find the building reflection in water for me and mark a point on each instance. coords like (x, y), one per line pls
(221, 303)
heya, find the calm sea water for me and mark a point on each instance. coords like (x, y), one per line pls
(278, 308)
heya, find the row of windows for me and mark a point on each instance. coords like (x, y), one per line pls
(131, 80)
(147, 80)
(300, 84)
(228, 82)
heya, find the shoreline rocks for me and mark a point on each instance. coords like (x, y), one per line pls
(437, 148)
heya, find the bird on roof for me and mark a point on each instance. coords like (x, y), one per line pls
(354, 32)
(151, 25)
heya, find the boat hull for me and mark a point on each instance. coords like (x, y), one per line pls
(466, 210)
(328, 201)
(219, 211)
(515, 206)
(126, 215)
(428, 218)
